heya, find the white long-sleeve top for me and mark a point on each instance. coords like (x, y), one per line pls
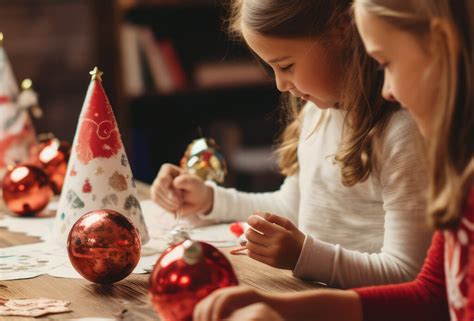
(372, 233)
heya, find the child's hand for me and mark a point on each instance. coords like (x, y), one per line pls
(162, 191)
(176, 190)
(226, 302)
(255, 312)
(279, 244)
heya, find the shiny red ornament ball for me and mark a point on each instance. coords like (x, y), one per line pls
(104, 246)
(53, 155)
(184, 274)
(26, 190)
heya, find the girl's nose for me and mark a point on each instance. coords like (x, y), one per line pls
(283, 84)
(387, 91)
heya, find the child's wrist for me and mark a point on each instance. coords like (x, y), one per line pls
(210, 203)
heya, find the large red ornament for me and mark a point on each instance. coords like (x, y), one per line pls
(184, 274)
(26, 190)
(104, 246)
(53, 155)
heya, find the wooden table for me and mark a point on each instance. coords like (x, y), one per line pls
(127, 299)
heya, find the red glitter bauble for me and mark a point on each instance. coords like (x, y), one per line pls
(104, 246)
(185, 274)
(53, 155)
(26, 190)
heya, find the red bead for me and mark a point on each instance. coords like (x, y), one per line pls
(237, 229)
(180, 280)
(104, 246)
(26, 190)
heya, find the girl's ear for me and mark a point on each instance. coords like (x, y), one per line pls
(445, 31)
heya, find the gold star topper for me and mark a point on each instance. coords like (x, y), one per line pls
(96, 74)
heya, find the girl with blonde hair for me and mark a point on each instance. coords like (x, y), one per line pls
(351, 209)
(426, 50)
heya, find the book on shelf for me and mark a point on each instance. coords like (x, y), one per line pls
(146, 58)
(154, 64)
(133, 80)
(229, 73)
(177, 73)
(156, 61)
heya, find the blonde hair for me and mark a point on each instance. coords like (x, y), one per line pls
(367, 113)
(452, 143)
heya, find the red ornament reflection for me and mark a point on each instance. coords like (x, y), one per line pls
(26, 190)
(53, 155)
(104, 246)
(184, 274)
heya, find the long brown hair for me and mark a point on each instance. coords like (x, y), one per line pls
(367, 113)
(452, 143)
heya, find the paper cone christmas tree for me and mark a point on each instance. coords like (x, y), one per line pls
(17, 134)
(98, 175)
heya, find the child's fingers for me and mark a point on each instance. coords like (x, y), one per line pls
(262, 225)
(170, 195)
(164, 179)
(272, 218)
(187, 182)
(165, 200)
(255, 237)
(261, 258)
(203, 310)
(222, 302)
(170, 170)
(208, 308)
(257, 249)
(255, 311)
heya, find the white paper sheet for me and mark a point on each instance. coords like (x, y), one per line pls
(32, 226)
(27, 261)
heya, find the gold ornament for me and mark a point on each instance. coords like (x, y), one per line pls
(203, 158)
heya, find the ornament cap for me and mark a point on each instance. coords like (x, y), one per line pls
(96, 74)
(192, 252)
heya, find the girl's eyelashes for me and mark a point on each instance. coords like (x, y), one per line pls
(286, 68)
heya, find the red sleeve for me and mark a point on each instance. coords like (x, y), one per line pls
(469, 311)
(419, 300)
(469, 214)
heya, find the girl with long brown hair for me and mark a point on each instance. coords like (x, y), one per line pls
(351, 209)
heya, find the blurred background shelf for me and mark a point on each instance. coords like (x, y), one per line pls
(169, 68)
(241, 119)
